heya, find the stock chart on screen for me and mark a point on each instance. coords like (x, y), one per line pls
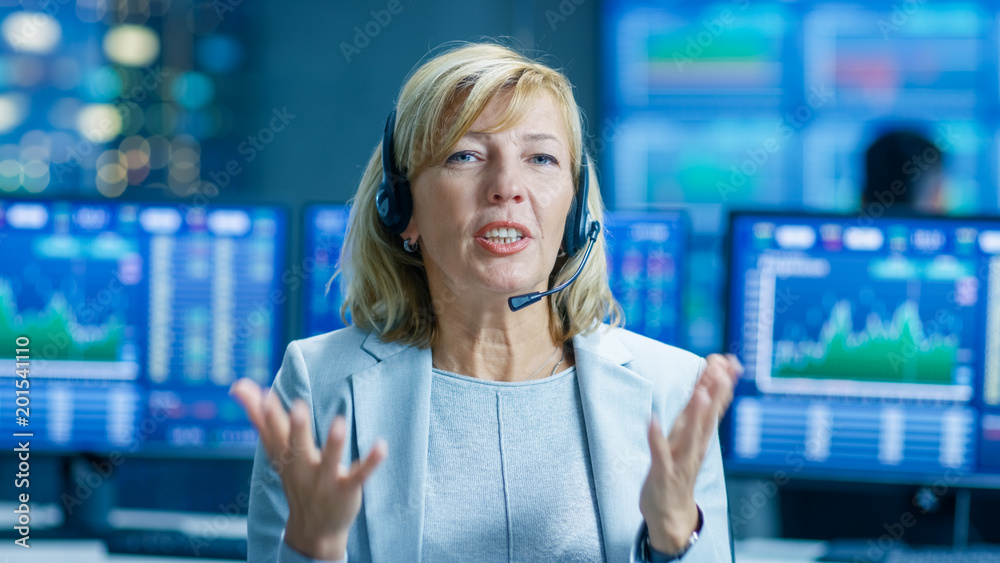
(141, 315)
(870, 344)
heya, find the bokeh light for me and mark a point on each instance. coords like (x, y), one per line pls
(35, 175)
(11, 174)
(99, 123)
(13, 110)
(31, 32)
(150, 79)
(103, 85)
(112, 173)
(136, 150)
(193, 90)
(91, 11)
(184, 168)
(131, 45)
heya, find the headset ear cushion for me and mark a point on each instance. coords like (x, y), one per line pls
(404, 204)
(384, 203)
(393, 201)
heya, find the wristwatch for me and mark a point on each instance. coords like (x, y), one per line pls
(646, 552)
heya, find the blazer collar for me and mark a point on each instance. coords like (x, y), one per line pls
(392, 401)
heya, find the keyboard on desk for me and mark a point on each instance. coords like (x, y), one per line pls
(943, 555)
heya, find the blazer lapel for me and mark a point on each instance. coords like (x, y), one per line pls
(617, 403)
(392, 401)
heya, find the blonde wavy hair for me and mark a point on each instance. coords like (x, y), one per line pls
(386, 288)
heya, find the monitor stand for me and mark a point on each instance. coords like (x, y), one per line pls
(870, 550)
(89, 494)
(963, 508)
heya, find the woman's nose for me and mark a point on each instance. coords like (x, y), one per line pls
(507, 183)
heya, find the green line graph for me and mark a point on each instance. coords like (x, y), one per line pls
(893, 352)
(55, 333)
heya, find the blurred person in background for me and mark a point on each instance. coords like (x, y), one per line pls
(904, 173)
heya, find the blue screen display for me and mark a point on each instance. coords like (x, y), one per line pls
(646, 261)
(326, 226)
(140, 316)
(871, 347)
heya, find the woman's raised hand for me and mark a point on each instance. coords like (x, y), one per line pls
(667, 497)
(323, 497)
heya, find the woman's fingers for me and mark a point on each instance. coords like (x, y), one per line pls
(278, 426)
(333, 449)
(361, 471)
(251, 397)
(658, 445)
(282, 432)
(712, 394)
(737, 367)
(300, 440)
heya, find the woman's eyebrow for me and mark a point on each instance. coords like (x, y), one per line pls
(530, 137)
(535, 137)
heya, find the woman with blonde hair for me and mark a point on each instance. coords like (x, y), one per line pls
(501, 417)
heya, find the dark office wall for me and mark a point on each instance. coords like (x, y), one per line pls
(340, 105)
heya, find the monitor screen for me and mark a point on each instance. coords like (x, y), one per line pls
(325, 228)
(138, 318)
(875, 60)
(871, 347)
(646, 260)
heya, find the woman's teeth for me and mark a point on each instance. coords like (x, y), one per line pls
(503, 235)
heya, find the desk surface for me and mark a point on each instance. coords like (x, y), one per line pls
(80, 551)
(93, 551)
(760, 550)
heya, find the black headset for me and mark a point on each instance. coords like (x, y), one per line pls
(395, 202)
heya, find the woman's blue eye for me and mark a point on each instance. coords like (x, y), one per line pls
(458, 157)
(548, 159)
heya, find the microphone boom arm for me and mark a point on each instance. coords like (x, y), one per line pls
(518, 302)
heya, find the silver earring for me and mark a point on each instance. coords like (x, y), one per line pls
(562, 252)
(410, 247)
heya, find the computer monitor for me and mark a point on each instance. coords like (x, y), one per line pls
(138, 317)
(871, 347)
(325, 228)
(646, 261)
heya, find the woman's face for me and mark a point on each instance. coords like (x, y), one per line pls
(490, 217)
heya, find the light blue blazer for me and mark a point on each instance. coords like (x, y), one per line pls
(384, 389)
